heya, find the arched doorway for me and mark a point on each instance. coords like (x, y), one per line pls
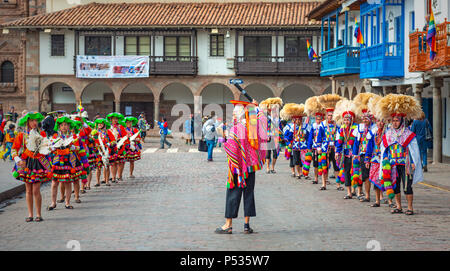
(257, 91)
(296, 93)
(328, 90)
(215, 98)
(137, 98)
(58, 96)
(98, 98)
(176, 103)
(354, 93)
(346, 94)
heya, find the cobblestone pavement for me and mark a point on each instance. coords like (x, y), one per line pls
(177, 201)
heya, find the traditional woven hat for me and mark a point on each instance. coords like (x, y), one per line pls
(329, 101)
(372, 104)
(313, 107)
(269, 103)
(362, 102)
(292, 111)
(344, 108)
(398, 105)
(30, 115)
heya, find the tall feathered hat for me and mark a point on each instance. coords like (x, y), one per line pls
(329, 101)
(398, 105)
(344, 109)
(269, 103)
(292, 111)
(372, 104)
(313, 107)
(362, 101)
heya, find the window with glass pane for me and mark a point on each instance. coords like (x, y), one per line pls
(170, 47)
(350, 35)
(98, 46)
(131, 46)
(7, 72)
(258, 47)
(216, 45)
(295, 47)
(144, 46)
(177, 47)
(57, 45)
(184, 47)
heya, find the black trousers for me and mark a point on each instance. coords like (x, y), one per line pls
(233, 198)
(347, 170)
(403, 180)
(332, 160)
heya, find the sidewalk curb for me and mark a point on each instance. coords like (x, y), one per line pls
(11, 193)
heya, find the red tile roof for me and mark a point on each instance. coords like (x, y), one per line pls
(113, 15)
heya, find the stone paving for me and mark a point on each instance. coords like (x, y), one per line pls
(177, 201)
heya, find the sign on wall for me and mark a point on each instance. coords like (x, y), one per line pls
(112, 66)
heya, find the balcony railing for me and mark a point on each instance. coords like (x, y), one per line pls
(271, 65)
(419, 52)
(168, 65)
(340, 60)
(384, 60)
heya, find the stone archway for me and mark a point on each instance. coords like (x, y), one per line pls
(353, 93)
(296, 93)
(98, 98)
(57, 96)
(176, 100)
(215, 98)
(346, 93)
(137, 98)
(258, 91)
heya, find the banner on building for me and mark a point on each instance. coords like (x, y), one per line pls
(112, 66)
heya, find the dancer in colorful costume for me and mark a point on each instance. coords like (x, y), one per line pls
(245, 150)
(314, 108)
(133, 144)
(32, 165)
(271, 107)
(401, 164)
(344, 115)
(117, 158)
(103, 138)
(331, 129)
(296, 137)
(363, 135)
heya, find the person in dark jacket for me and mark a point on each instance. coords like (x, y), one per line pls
(48, 124)
(419, 127)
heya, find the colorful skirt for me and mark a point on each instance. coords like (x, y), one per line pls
(374, 176)
(132, 156)
(34, 172)
(65, 171)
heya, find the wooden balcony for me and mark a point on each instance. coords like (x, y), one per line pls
(419, 52)
(168, 65)
(272, 65)
(341, 60)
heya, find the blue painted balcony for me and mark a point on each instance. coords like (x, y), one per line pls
(340, 61)
(382, 61)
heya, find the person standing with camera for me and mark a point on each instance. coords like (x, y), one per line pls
(210, 134)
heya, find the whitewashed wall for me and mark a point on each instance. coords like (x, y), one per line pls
(56, 64)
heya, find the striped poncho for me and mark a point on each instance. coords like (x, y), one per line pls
(242, 157)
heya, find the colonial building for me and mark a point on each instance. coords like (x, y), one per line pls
(193, 50)
(395, 57)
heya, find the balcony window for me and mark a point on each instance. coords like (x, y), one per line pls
(258, 46)
(178, 47)
(137, 46)
(295, 47)
(98, 46)
(57, 45)
(216, 43)
(7, 72)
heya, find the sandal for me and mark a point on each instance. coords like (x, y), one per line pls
(38, 219)
(108, 184)
(323, 188)
(397, 211)
(307, 177)
(409, 212)
(375, 205)
(293, 175)
(50, 208)
(273, 171)
(69, 207)
(103, 181)
(29, 219)
(392, 205)
(315, 182)
(348, 197)
(61, 200)
(77, 201)
(268, 171)
(364, 200)
(340, 188)
(224, 231)
(97, 185)
(83, 191)
(299, 177)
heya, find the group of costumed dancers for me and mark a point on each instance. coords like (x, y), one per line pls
(69, 153)
(365, 141)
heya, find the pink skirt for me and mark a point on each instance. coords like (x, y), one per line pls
(374, 176)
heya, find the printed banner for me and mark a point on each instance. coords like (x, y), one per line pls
(112, 66)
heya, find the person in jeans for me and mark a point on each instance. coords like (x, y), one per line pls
(210, 134)
(419, 127)
(142, 125)
(163, 131)
(192, 119)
